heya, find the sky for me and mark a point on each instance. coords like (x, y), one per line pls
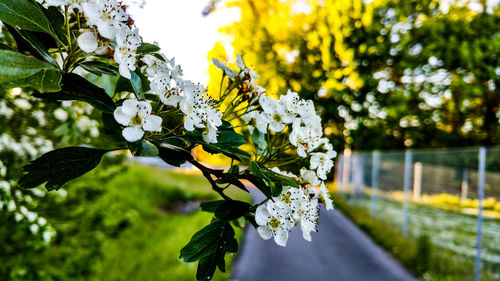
(182, 32)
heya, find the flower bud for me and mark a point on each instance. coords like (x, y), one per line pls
(87, 42)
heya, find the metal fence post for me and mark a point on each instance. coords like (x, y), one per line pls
(480, 189)
(406, 188)
(374, 185)
(340, 171)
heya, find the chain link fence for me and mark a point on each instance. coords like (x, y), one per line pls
(452, 196)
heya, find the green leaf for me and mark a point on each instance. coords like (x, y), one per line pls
(26, 15)
(209, 246)
(173, 155)
(147, 48)
(98, 68)
(147, 149)
(276, 177)
(76, 87)
(231, 179)
(60, 166)
(125, 85)
(5, 47)
(18, 70)
(112, 129)
(260, 184)
(136, 82)
(231, 210)
(56, 19)
(211, 206)
(38, 46)
(229, 151)
(230, 138)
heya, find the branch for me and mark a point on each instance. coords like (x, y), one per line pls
(208, 172)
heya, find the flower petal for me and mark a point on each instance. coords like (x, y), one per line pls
(262, 215)
(121, 117)
(151, 123)
(280, 237)
(132, 134)
(264, 232)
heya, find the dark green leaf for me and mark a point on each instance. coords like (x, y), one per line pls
(210, 206)
(229, 151)
(257, 171)
(230, 138)
(276, 189)
(232, 179)
(260, 184)
(231, 210)
(276, 177)
(56, 19)
(209, 246)
(60, 166)
(98, 68)
(112, 129)
(147, 48)
(38, 46)
(147, 149)
(136, 82)
(5, 47)
(76, 87)
(173, 155)
(25, 14)
(125, 85)
(18, 70)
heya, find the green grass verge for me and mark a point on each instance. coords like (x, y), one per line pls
(119, 223)
(418, 254)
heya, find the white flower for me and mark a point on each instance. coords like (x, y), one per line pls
(127, 42)
(273, 220)
(309, 176)
(155, 66)
(87, 42)
(305, 138)
(232, 74)
(326, 197)
(274, 113)
(309, 217)
(199, 111)
(107, 15)
(191, 106)
(291, 198)
(136, 117)
(321, 163)
(161, 85)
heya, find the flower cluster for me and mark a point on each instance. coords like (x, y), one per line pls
(298, 120)
(289, 123)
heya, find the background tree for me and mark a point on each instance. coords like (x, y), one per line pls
(386, 74)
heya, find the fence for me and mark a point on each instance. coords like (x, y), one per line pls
(452, 196)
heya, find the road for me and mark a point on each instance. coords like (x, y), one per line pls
(338, 252)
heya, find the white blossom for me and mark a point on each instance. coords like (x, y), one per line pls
(136, 117)
(273, 220)
(127, 42)
(107, 15)
(321, 163)
(326, 197)
(87, 41)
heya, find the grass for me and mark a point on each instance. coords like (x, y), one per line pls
(127, 216)
(449, 238)
(149, 250)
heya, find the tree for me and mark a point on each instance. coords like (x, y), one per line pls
(391, 74)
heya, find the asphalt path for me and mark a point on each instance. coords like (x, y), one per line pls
(338, 252)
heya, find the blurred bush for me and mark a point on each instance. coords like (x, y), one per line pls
(386, 74)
